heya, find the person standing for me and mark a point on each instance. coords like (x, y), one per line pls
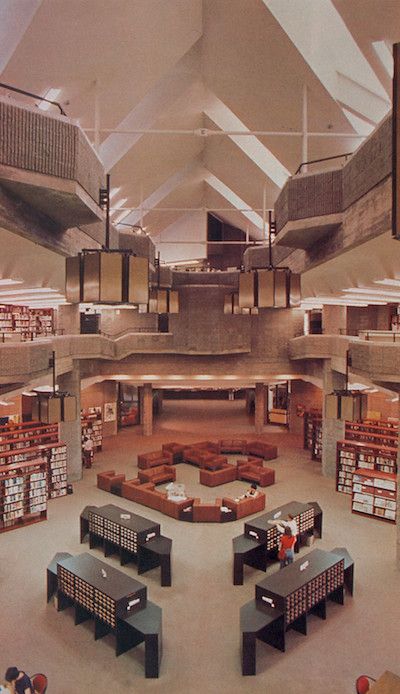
(88, 448)
(286, 547)
(19, 680)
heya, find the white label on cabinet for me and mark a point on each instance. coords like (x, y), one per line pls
(251, 532)
(304, 565)
(132, 603)
(268, 600)
(278, 515)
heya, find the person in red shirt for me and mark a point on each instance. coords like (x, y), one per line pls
(286, 547)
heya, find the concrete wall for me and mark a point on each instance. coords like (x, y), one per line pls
(115, 321)
(308, 396)
(309, 195)
(367, 318)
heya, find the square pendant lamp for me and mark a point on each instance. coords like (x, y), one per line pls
(346, 405)
(264, 288)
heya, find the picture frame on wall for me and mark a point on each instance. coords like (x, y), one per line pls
(110, 411)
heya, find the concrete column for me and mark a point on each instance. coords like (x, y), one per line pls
(68, 319)
(334, 320)
(249, 400)
(147, 409)
(332, 429)
(260, 403)
(70, 432)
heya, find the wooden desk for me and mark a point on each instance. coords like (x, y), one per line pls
(388, 683)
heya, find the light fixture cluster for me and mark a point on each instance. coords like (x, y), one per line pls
(272, 287)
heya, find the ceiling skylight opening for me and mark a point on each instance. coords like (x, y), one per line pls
(50, 95)
(114, 191)
(385, 56)
(388, 282)
(9, 282)
(117, 206)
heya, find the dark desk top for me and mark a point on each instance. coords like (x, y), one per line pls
(148, 620)
(343, 554)
(289, 579)
(116, 585)
(134, 522)
(160, 544)
(293, 507)
(243, 544)
(252, 618)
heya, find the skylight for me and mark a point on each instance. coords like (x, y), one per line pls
(51, 95)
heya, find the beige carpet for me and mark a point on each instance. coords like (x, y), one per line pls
(201, 645)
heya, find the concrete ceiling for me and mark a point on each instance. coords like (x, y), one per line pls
(189, 64)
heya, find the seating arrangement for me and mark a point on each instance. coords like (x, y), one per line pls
(158, 475)
(154, 459)
(176, 449)
(262, 450)
(232, 446)
(264, 476)
(145, 493)
(222, 475)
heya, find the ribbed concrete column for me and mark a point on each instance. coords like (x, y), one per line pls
(249, 400)
(70, 432)
(332, 429)
(147, 409)
(259, 412)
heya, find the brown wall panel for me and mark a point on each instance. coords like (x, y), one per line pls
(265, 288)
(280, 288)
(91, 277)
(295, 289)
(110, 277)
(162, 300)
(138, 288)
(173, 302)
(72, 280)
(246, 289)
(396, 144)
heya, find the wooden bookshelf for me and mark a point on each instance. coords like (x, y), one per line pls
(92, 424)
(25, 322)
(357, 455)
(374, 494)
(23, 494)
(313, 434)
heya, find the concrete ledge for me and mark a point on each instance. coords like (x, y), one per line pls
(304, 233)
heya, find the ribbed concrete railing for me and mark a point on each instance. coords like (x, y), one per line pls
(318, 346)
(51, 145)
(328, 192)
(379, 361)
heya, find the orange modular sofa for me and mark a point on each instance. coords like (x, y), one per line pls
(108, 480)
(158, 475)
(262, 450)
(207, 511)
(232, 446)
(212, 478)
(247, 506)
(153, 459)
(176, 450)
(264, 476)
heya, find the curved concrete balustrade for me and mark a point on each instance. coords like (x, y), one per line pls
(378, 361)
(319, 346)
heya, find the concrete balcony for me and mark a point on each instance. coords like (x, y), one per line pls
(48, 163)
(319, 346)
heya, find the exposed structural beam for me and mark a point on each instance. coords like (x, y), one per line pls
(207, 132)
(15, 18)
(145, 114)
(317, 29)
(234, 199)
(190, 171)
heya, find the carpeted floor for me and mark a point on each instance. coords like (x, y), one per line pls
(201, 645)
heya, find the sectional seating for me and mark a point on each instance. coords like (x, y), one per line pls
(158, 475)
(207, 512)
(176, 449)
(232, 446)
(153, 459)
(264, 476)
(251, 460)
(197, 456)
(212, 478)
(247, 506)
(262, 450)
(108, 481)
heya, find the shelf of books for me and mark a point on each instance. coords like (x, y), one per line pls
(92, 425)
(355, 455)
(313, 434)
(23, 494)
(374, 494)
(23, 322)
(33, 441)
(360, 431)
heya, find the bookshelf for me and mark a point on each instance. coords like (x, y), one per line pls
(92, 424)
(25, 322)
(313, 434)
(357, 455)
(57, 470)
(361, 431)
(374, 494)
(23, 494)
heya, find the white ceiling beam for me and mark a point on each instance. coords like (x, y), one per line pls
(146, 113)
(323, 39)
(15, 18)
(236, 202)
(225, 119)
